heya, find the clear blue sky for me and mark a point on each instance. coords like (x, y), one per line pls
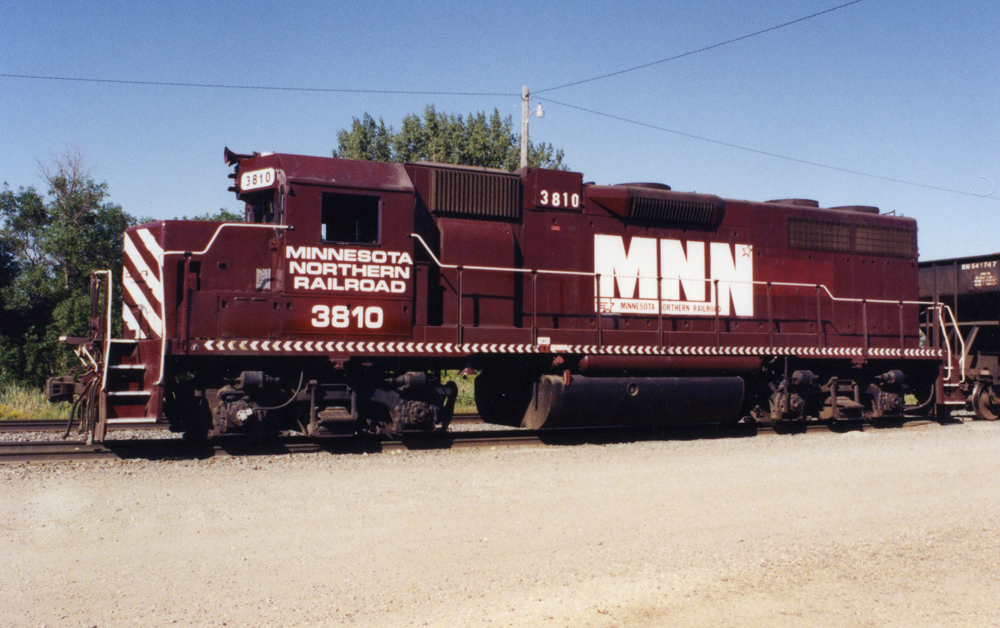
(904, 90)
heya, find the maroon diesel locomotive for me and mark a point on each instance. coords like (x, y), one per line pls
(351, 285)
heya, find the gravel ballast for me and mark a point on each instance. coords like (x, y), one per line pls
(895, 527)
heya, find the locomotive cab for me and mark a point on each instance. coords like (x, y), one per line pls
(343, 276)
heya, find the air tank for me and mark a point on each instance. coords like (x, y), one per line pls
(580, 401)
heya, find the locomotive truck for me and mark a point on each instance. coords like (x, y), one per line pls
(350, 286)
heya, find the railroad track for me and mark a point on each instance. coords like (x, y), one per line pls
(180, 449)
(33, 426)
(59, 425)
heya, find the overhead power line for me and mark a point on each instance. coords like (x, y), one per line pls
(548, 89)
(769, 154)
(256, 87)
(555, 102)
(693, 52)
(421, 93)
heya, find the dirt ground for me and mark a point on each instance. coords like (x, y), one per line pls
(896, 527)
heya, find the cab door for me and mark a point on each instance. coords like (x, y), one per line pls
(347, 263)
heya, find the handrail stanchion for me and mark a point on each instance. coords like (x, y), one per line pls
(534, 307)
(819, 319)
(902, 337)
(659, 309)
(770, 318)
(936, 340)
(597, 291)
(864, 321)
(718, 308)
(458, 326)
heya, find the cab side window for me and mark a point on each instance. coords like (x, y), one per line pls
(260, 208)
(352, 218)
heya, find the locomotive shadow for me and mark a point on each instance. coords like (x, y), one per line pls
(236, 446)
(609, 436)
(173, 449)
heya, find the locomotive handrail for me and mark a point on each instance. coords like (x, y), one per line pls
(849, 299)
(107, 334)
(220, 228)
(947, 343)
(713, 283)
(527, 271)
(441, 264)
(81, 351)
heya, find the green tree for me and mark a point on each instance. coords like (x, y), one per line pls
(48, 250)
(223, 215)
(476, 140)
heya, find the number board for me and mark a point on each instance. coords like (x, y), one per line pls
(553, 189)
(257, 179)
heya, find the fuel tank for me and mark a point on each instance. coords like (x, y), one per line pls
(580, 401)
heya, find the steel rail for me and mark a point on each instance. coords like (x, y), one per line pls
(47, 425)
(52, 451)
(59, 425)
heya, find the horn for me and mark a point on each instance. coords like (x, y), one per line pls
(234, 158)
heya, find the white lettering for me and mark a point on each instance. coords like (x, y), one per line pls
(735, 277)
(686, 287)
(365, 267)
(679, 269)
(612, 263)
(978, 265)
(339, 316)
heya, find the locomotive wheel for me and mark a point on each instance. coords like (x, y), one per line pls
(981, 405)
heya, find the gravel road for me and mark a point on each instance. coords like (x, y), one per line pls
(884, 528)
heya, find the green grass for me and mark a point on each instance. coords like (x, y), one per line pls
(18, 403)
(466, 401)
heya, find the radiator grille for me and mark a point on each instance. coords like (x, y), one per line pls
(475, 194)
(891, 241)
(845, 237)
(819, 235)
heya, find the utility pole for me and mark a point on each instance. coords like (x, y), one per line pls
(525, 114)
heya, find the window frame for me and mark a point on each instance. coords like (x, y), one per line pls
(362, 199)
